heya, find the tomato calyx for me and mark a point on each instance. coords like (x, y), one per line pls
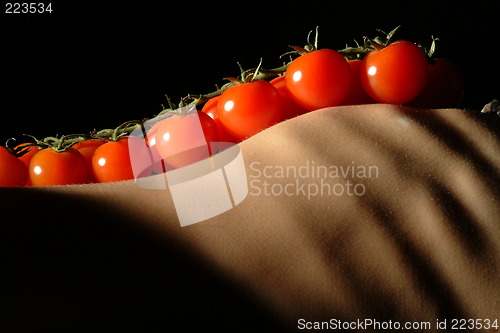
(117, 133)
(355, 52)
(379, 43)
(58, 144)
(308, 48)
(369, 44)
(18, 150)
(258, 73)
(246, 76)
(62, 143)
(430, 52)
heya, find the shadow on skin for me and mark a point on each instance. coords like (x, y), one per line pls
(96, 270)
(428, 180)
(422, 239)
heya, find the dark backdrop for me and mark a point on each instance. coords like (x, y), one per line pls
(87, 66)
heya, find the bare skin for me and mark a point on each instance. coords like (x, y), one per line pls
(419, 244)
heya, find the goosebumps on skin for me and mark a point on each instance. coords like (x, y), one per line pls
(418, 243)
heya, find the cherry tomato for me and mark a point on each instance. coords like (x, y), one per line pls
(13, 171)
(445, 87)
(184, 139)
(111, 161)
(248, 108)
(144, 157)
(49, 167)
(150, 142)
(318, 79)
(87, 149)
(357, 94)
(210, 108)
(26, 158)
(290, 108)
(395, 74)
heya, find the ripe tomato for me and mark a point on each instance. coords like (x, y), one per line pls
(184, 139)
(26, 158)
(318, 79)
(49, 167)
(13, 171)
(445, 87)
(87, 149)
(395, 74)
(357, 94)
(248, 108)
(150, 142)
(111, 161)
(210, 108)
(290, 108)
(144, 157)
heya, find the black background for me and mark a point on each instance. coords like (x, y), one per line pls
(90, 66)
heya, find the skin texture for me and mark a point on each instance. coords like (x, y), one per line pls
(420, 244)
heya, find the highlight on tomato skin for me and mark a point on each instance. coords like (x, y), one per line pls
(26, 157)
(13, 171)
(151, 161)
(181, 140)
(248, 108)
(395, 74)
(87, 149)
(210, 108)
(49, 167)
(318, 79)
(111, 161)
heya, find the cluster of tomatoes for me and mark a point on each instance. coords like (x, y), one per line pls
(380, 71)
(78, 164)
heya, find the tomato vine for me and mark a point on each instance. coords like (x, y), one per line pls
(193, 100)
(190, 102)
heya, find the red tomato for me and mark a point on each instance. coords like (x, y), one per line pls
(184, 139)
(150, 141)
(154, 155)
(49, 167)
(144, 157)
(357, 94)
(26, 158)
(87, 149)
(290, 108)
(248, 108)
(318, 79)
(111, 161)
(395, 74)
(13, 171)
(445, 87)
(210, 108)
